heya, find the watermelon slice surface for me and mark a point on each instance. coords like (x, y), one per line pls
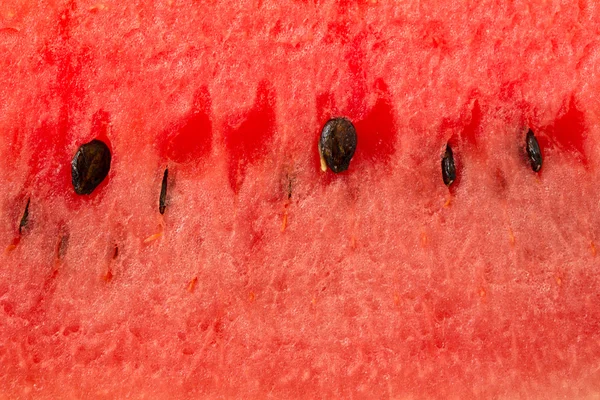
(266, 277)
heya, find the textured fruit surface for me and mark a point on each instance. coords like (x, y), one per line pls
(266, 277)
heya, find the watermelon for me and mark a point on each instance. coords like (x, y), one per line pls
(245, 271)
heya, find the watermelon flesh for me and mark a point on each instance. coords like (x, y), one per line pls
(266, 277)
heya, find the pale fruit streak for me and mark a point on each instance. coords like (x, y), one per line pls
(323, 163)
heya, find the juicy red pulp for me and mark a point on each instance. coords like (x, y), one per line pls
(265, 277)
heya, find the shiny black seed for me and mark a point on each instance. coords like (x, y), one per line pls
(337, 144)
(25, 217)
(162, 201)
(448, 168)
(90, 166)
(533, 151)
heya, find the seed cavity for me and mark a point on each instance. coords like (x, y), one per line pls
(337, 144)
(90, 166)
(162, 201)
(448, 167)
(25, 217)
(533, 151)
(62, 246)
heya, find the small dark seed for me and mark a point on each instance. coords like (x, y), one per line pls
(90, 166)
(288, 185)
(116, 252)
(533, 151)
(63, 244)
(162, 201)
(448, 167)
(337, 144)
(24, 218)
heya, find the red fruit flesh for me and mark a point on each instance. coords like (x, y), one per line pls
(266, 277)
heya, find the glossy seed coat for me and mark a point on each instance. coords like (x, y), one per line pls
(162, 201)
(448, 167)
(337, 144)
(90, 166)
(533, 151)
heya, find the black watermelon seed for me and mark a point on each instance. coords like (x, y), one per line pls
(448, 167)
(25, 217)
(90, 166)
(162, 201)
(533, 151)
(337, 144)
